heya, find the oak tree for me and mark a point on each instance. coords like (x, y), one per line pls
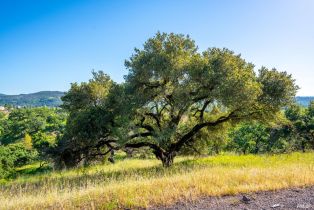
(175, 87)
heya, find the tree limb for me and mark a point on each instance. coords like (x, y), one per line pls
(155, 117)
(146, 134)
(177, 146)
(155, 147)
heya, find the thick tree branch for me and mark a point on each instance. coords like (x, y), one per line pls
(147, 127)
(104, 142)
(206, 103)
(202, 110)
(157, 149)
(155, 117)
(162, 109)
(177, 146)
(152, 84)
(100, 154)
(146, 134)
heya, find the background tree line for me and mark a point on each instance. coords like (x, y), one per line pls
(293, 131)
(26, 135)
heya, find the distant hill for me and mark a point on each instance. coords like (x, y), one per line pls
(53, 99)
(304, 100)
(43, 98)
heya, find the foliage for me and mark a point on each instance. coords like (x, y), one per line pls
(250, 138)
(26, 134)
(303, 125)
(293, 131)
(12, 156)
(28, 141)
(93, 109)
(30, 121)
(210, 140)
(44, 143)
(21, 154)
(2, 121)
(6, 162)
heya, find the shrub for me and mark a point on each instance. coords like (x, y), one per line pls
(6, 162)
(14, 155)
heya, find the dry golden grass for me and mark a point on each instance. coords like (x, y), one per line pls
(144, 183)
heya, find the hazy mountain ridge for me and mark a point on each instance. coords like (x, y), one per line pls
(42, 98)
(53, 99)
(304, 100)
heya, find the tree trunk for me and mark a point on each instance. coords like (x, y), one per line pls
(217, 149)
(303, 146)
(167, 159)
(129, 152)
(111, 157)
(256, 150)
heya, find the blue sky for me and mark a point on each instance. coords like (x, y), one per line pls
(46, 45)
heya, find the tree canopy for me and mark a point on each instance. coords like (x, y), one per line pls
(94, 110)
(303, 124)
(175, 87)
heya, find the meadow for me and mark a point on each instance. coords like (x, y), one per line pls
(136, 183)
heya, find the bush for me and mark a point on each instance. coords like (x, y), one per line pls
(249, 138)
(14, 155)
(21, 155)
(6, 162)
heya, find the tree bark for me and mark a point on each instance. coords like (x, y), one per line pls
(303, 146)
(167, 159)
(256, 150)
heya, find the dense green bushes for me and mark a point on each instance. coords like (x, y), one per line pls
(293, 132)
(26, 134)
(6, 162)
(12, 156)
(249, 138)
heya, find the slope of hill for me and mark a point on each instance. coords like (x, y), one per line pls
(53, 99)
(304, 100)
(43, 98)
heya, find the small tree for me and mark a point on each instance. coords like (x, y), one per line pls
(28, 141)
(250, 138)
(6, 162)
(2, 126)
(303, 124)
(93, 109)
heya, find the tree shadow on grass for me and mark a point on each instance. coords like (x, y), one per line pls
(34, 171)
(44, 183)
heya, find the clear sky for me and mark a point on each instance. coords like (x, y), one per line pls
(47, 44)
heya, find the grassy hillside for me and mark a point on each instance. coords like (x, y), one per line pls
(43, 98)
(143, 183)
